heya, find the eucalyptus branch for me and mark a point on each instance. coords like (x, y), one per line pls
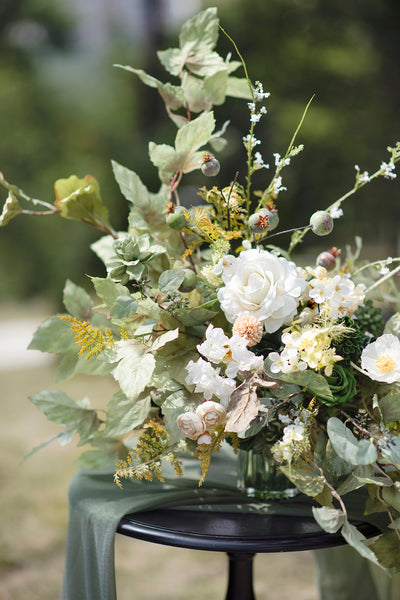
(354, 422)
(332, 489)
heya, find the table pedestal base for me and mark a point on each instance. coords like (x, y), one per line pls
(240, 582)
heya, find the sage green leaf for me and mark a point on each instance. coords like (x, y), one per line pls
(109, 291)
(310, 380)
(171, 280)
(330, 519)
(393, 325)
(124, 307)
(201, 95)
(191, 317)
(347, 446)
(391, 495)
(80, 199)
(77, 301)
(61, 409)
(163, 339)
(390, 407)
(391, 450)
(195, 134)
(108, 451)
(104, 248)
(308, 482)
(165, 158)
(335, 467)
(202, 27)
(171, 94)
(51, 439)
(387, 550)
(238, 87)
(53, 336)
(72, 364)
(356, 539)
(135, 367)
(10, 210)
(124, 415)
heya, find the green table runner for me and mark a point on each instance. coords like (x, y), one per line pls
(97, 505)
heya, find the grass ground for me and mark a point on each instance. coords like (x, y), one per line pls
(33, 509)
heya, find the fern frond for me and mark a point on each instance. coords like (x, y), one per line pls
(91, 340)
(144, 461)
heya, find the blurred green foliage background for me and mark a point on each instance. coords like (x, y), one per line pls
(65, 110)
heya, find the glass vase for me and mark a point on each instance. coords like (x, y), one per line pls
(259, 476)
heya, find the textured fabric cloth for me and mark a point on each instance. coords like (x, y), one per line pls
(97, 506)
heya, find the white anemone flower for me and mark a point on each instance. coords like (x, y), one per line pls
(381, 359)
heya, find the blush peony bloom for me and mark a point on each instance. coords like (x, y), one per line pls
(381, 359)
(263, 285)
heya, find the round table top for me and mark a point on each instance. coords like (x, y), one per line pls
(232, 532)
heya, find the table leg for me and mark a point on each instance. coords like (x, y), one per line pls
(240, 582)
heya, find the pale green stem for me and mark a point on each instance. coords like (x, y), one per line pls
(382, 279)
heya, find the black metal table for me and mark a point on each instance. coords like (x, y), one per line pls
(240, 535)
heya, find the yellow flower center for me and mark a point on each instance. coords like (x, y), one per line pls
(385, 363)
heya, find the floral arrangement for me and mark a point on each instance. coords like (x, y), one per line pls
(213, 333)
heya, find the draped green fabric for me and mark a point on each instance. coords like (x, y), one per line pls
(97, 505)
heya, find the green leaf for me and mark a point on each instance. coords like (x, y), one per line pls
(171, 280)
(77, 301)
(54, 336)
(330, 519)
(71, 364)
(312, 381)
(391, 450)
(202, 95)
(190, 317)
(80, 199)
(61, 409)
(347, 446)
(10, 210)
(171, 94)
(195, 134)
(124, 307)
(387, 550)
(308, 482)
(204, 26)
(135, 367)
(391, 495)
(109, 291)
(107, 452)
(163, 339)
(238, 87)
(356, 539)
(123, 414)
(176, 403)
(390, 407)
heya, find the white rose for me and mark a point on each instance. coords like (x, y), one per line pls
(261, 284)
(211, 413)
(191, 425)
(381, 359)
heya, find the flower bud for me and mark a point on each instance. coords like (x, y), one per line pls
(177, 219)
(211, 413)
(321, 222)
(205, 438)
(326, 259)
(263, 220)
(210, 165)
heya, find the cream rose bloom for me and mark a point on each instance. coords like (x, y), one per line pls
(211, 413)
(260, 284)
(191, 425)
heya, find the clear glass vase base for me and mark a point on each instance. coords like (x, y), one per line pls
(252, 492)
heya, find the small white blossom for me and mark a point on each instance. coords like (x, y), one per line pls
(336, 212)
(278, 187)
(388, 169)
(251, 140)
(255, 117)
(208, 381)
(259, 161)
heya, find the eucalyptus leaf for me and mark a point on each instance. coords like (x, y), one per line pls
(171, 280)
(390, 407)
(124, 307)
(77, 301)
(308, 482)
(356, 539)
(357, 452)
(390, 450)
(330, 519)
